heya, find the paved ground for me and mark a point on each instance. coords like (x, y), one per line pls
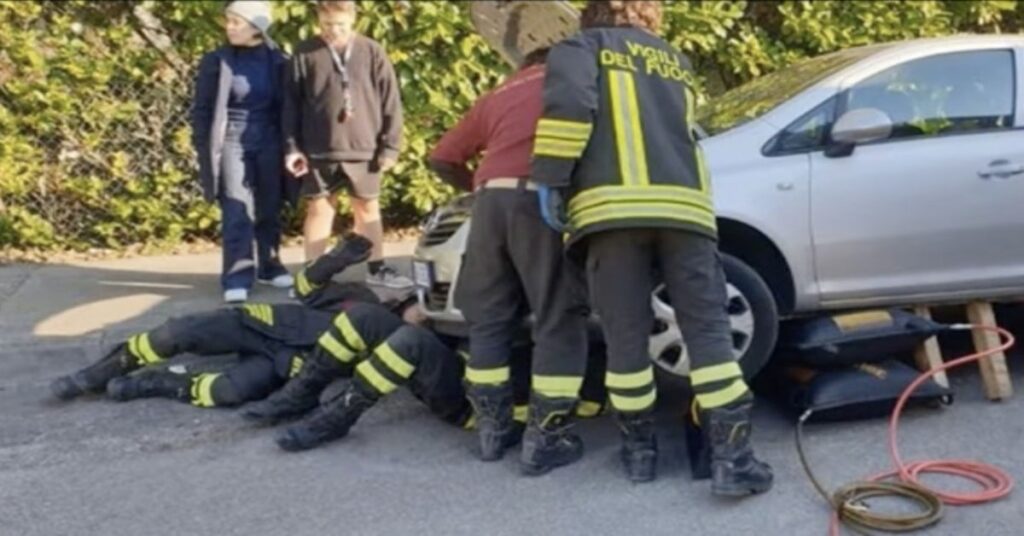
(158, 467)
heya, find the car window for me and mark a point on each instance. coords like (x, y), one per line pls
(807, 133)
(949, 93)
(759, 96)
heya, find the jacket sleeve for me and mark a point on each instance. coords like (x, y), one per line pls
(389, 141)
(570, 105)
(291, 106)
(204, 102)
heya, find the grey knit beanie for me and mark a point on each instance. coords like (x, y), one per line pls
(255, 12)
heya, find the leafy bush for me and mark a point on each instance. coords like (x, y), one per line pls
(94, 96)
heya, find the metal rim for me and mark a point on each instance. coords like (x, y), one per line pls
(666, 346)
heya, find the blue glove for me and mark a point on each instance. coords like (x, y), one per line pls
(552, 208)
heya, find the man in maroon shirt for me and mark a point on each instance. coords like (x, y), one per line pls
(514, 265)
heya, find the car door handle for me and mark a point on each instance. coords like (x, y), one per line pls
(1001, 169)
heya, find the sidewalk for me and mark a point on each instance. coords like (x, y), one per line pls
(49, 307)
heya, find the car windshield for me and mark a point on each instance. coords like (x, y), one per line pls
(757, 97)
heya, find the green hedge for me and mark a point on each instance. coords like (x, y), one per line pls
(93, 105)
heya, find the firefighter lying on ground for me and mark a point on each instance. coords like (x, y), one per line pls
(270, 341)
(381, 351)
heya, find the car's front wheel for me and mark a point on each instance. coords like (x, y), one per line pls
(753, 317)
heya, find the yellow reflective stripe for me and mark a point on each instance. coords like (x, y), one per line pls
(629, 137)
(376, 379)
(557, 386)
(202, 390)
(634, 117)
(724, 396)
(630, 380)
(470, 423)
(335, 348)
(297, 362)
(563, 128)
(394, 361)
(654, 193)
(558, 145)
(588, 408)
(143, 350)
(545, 151)
(302, 284)
(691, 123)
(494, 376)
(520, 413)
(654, 211)
(715, 373)
(348, 331)
(464, 355)
(261, 312)
(633, 403)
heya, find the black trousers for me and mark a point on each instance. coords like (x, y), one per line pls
(384, 354)
(515, 265)
(621, 271)
(264, 363)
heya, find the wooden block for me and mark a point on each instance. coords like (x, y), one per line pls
(994, 373)
(928, 355)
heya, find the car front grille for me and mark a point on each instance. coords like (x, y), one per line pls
(444, 229)
(437, 296)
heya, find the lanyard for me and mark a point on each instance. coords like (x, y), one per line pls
(341, 64)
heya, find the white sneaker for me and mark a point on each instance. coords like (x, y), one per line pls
(236, 295)
(388, 277)
(281, 281)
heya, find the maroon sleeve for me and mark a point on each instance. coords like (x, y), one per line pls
(465, 140)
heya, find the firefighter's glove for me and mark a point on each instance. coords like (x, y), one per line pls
(552, 208)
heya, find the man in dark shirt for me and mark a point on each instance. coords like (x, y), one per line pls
(342, 125)
(514, 263)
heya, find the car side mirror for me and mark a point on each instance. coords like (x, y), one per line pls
(863, 125)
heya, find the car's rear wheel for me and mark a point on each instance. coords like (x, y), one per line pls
(753, 317)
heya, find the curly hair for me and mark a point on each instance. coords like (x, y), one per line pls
(644, 14)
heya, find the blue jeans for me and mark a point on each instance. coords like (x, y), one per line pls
(251, 193)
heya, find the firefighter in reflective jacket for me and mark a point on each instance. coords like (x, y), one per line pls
(270, 340)
(615, 141)
(381, 351)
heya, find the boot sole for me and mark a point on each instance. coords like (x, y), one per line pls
(528, 469)
(732, 490)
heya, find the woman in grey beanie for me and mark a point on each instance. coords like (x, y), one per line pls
(236, 135)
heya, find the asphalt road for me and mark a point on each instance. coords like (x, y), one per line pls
(159, 467)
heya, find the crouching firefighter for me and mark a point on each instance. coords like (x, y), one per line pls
(382, 351)
(514, 265)
(270, 341)
(613, 144)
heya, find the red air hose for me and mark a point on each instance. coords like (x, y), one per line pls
(848, 502)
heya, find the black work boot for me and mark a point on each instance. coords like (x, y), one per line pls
(496, 429)
(151, 384)
(331, 421)
(735, 472)
(299, 396)
(93, 379)
(547, 443)
(639, 445)
(352, 249)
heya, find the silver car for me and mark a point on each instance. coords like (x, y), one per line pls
(886, 175)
